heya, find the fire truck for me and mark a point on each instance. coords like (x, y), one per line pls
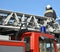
(20, 32)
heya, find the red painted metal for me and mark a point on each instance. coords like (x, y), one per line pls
(38, 33)
(13, 43)
(55, 46)
(34, 40)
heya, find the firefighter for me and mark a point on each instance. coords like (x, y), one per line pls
(50, 12)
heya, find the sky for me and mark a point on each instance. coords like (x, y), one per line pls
(35, 7)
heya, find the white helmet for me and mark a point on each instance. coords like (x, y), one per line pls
(48, 7)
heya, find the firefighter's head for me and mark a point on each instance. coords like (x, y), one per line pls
(48, 7)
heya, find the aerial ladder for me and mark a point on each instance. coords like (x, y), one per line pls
(28, 32)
